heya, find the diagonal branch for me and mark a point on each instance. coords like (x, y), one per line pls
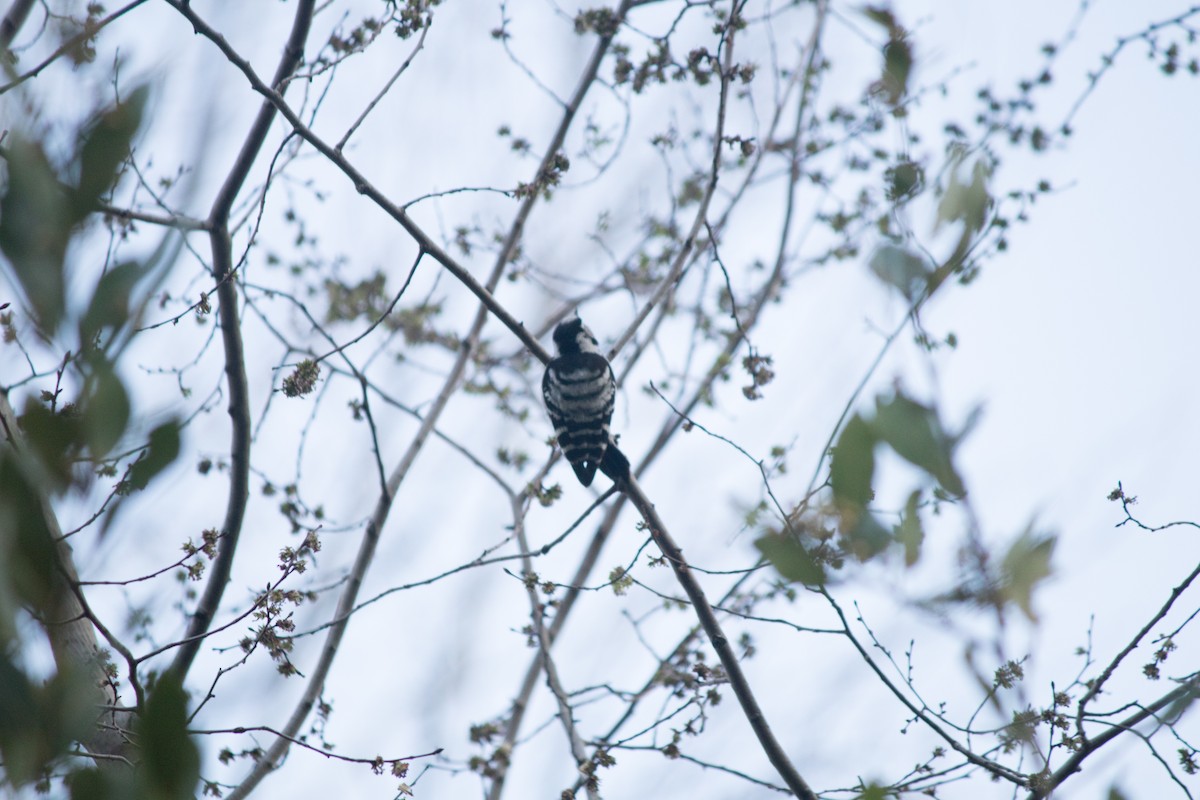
(1095, 686)
(1045, 786)
(720, 643)
(18, 12)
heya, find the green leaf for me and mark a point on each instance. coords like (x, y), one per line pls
(1025, 565)
(900, 269)
(916, 434)
(864, 535)
(110, 302)
(897, 54)
(92, 784)
(910, 532)
(35, 226)
(40, 718)
(106, 410)
(874, 791)
(170, 765)
(897, 66)
(791, 558)
(163, 449)
(852, 467)
(104, 146)
(55, 439)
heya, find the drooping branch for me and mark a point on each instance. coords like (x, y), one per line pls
(231, 337)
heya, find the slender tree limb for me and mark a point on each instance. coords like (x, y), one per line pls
(378, 760)
(177, 221)
(716, 636)
(1097, 685)
(387, 87)
(235, 360)
(566, 714)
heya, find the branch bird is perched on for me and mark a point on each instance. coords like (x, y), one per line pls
(579, 389)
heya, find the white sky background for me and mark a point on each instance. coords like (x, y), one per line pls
(1080, 343)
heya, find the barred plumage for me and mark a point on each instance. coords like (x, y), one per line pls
(579, 390)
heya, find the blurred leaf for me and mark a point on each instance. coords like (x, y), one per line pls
(170, 765)
(35, 226)
(853, 465)
(1116, 794)
(54, 439)
(103, 146)
(900, 269)
(92, 784)
(163, 449)
(904, 180)
(26, 544)
(864, 535)
(19, 740)
(105, 411)
(1179, 707)
(910, 532)
(110, 302)
(882, 16)
(897, 54)
(897, 65)
(916, 434)
(1025, 565)
(40, 718)
(968, 202)
(874, 791)
(790, 557)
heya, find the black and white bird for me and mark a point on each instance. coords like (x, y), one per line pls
(579, 390)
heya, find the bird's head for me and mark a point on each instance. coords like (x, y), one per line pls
(573, 336)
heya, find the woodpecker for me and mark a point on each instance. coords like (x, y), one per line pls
(579, 388)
